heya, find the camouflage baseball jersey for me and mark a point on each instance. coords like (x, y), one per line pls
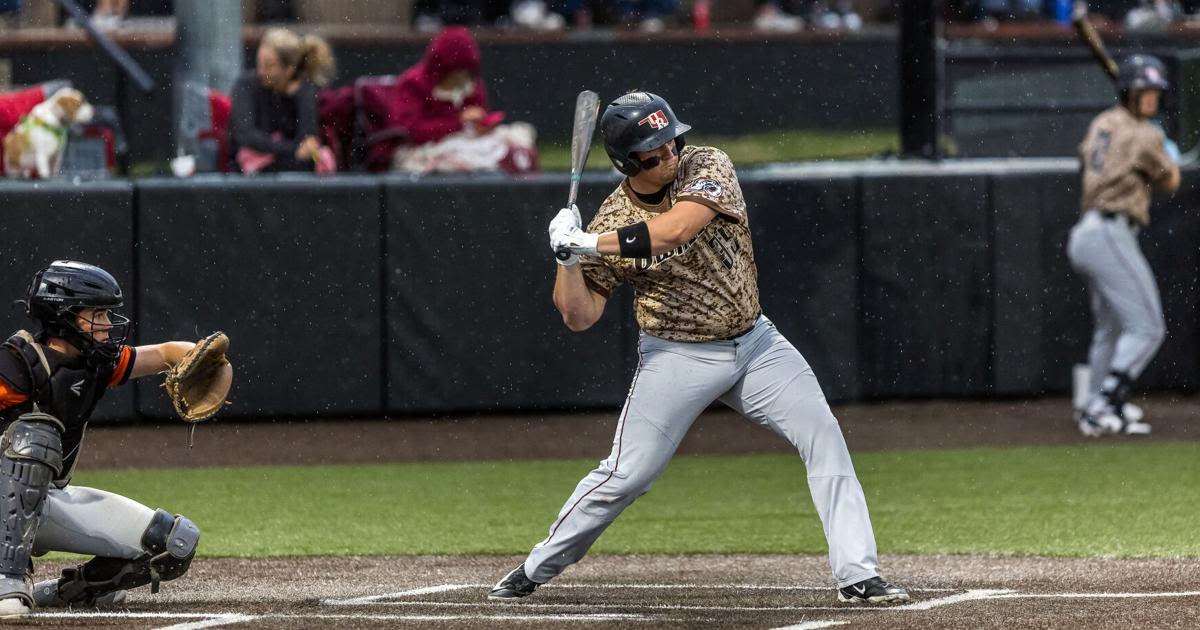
(1120, 157)
(703, 290)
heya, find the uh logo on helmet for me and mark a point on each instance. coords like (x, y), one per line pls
(637, 122)
(1140, 72)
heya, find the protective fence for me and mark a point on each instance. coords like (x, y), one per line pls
(364, 296)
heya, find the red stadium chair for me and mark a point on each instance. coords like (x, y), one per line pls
(377, 137)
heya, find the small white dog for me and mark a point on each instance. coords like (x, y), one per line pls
(35, 146)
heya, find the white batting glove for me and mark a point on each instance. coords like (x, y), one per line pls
(566, 233)
(565, 219)
(1172, 150)
(575, 240)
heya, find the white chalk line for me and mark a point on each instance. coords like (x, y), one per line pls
(209, 620)
(428, 590)
(813, 625)
(1096, 595)
(974, 594)
(370, 599)
(203, 620)
(198, 620)
(637, 606)
(221, 620)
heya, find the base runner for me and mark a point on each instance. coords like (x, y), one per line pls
(676, 229)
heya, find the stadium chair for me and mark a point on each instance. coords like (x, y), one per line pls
(376, 139)
(335, 107)
(219, 107)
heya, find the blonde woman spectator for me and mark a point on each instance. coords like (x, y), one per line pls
(274, 123)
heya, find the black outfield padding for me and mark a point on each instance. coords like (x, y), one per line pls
(470, 321)
(92, 223)
(926, 286)
(1170, 246)
(289, 268)
(806, 249)
(1040, 310)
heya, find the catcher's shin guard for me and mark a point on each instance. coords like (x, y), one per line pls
(170, 543)
(31, 458)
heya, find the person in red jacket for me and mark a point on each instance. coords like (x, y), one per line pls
(440, 108)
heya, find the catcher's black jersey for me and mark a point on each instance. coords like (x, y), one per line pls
(69, 390)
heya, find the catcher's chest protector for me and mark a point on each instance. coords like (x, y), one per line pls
(65, 392)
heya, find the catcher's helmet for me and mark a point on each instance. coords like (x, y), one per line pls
(59, 292)
(1139, 72)
(638, 121)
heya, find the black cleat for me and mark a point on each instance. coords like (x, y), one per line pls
(872, 591)
(514, 585)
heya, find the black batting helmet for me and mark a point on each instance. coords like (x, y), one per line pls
(1139, 72)
(59, 292)
(635, 122)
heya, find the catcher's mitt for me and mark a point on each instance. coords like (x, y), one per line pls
(199, 383)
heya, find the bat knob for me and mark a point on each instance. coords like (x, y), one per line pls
(562, 253)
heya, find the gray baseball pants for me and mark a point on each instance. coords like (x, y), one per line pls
(763, 377)
(1126, 308)
(93, 522)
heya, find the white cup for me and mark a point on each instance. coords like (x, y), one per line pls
(184, 166)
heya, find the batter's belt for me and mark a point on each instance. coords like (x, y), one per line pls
(741, 333)
(1112, 215)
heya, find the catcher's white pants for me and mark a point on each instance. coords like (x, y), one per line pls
(763, 377)
(1124, 297)
(88, 521)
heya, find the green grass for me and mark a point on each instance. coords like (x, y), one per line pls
(793, 145)
(1118, 500)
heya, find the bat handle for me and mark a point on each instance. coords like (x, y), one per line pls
(562, 253)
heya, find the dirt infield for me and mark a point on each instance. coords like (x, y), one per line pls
(635, 591)
(657, 592)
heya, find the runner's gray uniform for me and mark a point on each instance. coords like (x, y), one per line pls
(1121, 157)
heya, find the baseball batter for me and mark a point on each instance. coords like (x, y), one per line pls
(49, 385)
(1122, 157)
(676, 230)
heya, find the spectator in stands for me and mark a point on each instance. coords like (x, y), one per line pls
(787, 16)
(650, 15)
(274, 124)
(440, 105)
(109, 14)
(771, 16)
(992, 11)
(430, 16)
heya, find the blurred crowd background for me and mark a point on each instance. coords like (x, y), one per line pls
(651, 15)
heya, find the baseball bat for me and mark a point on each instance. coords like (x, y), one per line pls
(587, 107)
(1090, 37)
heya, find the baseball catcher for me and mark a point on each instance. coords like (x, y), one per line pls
(677, 230)
(50, 383)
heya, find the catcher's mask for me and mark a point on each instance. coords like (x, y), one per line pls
(61, 295)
